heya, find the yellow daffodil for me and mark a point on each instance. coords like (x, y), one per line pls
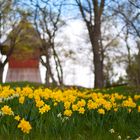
(17, 118)
(21, 99)
(81, 110)
(68, 113)
(6, 110)
(101, 111)
(24, 126)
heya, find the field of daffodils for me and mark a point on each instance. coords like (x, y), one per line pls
(30, 113)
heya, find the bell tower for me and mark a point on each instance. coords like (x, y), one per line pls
(24, 61)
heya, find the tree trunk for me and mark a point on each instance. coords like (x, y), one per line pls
(93, 24)
(95, 37)
(98, 66)
(1, 73)
(59, 69)
(49, 75)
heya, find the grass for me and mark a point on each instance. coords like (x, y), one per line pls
(90, 126)
(126, 90)
(22, 84)
(71, 130)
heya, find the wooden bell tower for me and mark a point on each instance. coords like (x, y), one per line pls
(24, 61)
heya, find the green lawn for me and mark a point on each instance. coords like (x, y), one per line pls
(88, 126)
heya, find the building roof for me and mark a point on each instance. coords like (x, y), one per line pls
(25, 39)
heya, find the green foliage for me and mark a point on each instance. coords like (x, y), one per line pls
(133, 71)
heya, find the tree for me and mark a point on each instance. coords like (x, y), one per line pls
(128, 13)
(91, 12)
(133, 71)
(5, 9)
(47, 22)
(10, 15)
